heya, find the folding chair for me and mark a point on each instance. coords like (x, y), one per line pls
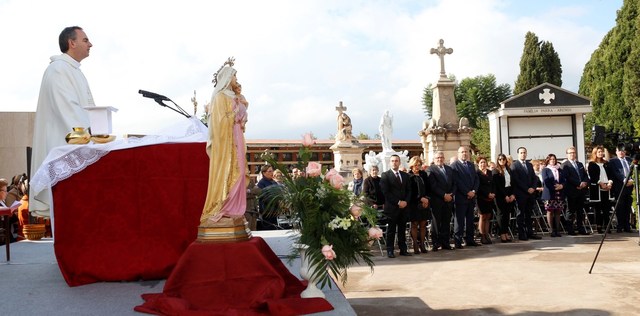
(539, 216)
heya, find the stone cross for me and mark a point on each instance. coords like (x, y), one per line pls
(340, 108)
(441, 51)
(195, 103)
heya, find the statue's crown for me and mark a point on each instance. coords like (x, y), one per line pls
(230, 61)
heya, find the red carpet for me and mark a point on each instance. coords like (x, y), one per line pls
(242, 278)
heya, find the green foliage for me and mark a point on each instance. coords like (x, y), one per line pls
(480, 138)
(611, 77)
(539, 64)
(477, 96)
(362, 136)
(313, 203)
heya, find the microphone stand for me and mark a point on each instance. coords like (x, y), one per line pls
(626, 179)
(178, 110)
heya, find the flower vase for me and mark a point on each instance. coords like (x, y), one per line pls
(306, 273)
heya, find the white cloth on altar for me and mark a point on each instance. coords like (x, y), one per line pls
(64, 161)
(64, 92)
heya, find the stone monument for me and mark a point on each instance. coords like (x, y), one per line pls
(386, 135)
(347, 150)
(444, 131)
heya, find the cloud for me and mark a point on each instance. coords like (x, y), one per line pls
(295, 59)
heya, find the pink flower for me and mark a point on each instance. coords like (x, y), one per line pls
(355, 210)
(314, 169)
(307, 140)
(337, 181)
(375, 233)
(327, 251)
(330, 174)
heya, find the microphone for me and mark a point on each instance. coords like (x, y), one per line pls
(154, 96)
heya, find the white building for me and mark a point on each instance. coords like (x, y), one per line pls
(545, 119)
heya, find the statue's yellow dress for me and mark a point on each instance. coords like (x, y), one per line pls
(226, 192)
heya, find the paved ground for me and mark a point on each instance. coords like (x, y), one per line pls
(541, 277)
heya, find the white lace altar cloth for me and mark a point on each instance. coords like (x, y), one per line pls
(64, 161)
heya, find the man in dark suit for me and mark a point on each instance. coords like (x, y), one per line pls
(524, 187)
(575, 190)
(442, 185)
(466, 180)
(620, 167)
(397, 192)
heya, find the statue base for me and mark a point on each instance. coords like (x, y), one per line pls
(227, 229)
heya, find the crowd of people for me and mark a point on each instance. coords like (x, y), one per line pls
(11, 193)
(513, 190)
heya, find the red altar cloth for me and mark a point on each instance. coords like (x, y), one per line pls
(242, 278)
(130, 215)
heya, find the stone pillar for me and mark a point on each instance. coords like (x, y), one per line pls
(445, 131)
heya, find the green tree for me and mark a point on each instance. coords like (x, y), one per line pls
(363, 136)
(480, 138)
(477, 96)
(539, 63)
(610, 77)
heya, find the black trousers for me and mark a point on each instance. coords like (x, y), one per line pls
(441, 221)
(397, 221)
(575, 212)
(523, 214)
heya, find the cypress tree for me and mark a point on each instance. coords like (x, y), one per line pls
(539, 63)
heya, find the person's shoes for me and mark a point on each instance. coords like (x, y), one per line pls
(423, 249)
(416, 249)
(459, 246)
(572, 233)
(534, 237)
(447, 247)
(553, 234)
(600, 231)
(405, 253)
(472, 243)
(390, 254)
(628, 230)
(488, 238)
(434, 248)
(619, 230)
(523, 238)
(583, 232)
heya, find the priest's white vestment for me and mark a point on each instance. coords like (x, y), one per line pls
(64, 93)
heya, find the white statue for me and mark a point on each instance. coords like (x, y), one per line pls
(371, 160)
(386, 131)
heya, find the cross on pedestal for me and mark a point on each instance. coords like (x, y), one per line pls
(441, 51)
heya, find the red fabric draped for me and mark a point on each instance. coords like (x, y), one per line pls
(242, 278)
(130, 215)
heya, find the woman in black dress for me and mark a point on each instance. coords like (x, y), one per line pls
(418, 204)
(486, 196)
(505, 200)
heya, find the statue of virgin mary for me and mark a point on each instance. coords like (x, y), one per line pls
(226, 192)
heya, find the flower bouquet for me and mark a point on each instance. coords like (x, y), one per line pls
(330, 221)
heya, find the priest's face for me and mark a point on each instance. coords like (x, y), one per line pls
(79, 48)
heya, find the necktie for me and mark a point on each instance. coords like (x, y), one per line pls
(444, 172)
(398, 177)
(575, 165)
(524, 165)
(625, 166)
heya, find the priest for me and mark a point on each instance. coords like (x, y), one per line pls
(64, 92)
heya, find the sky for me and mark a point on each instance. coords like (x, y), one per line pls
(296, 59)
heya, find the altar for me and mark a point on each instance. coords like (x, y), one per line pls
(131, 214)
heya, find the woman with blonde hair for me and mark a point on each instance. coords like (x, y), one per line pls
(600, 183)
(355, 186)
(418, 205)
